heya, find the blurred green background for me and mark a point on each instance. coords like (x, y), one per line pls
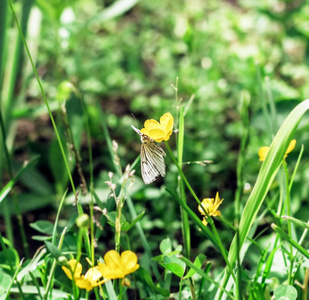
(123, 57)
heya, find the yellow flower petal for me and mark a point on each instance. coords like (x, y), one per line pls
(211, 206)
(72, 263)
(151, 124)
(167, 122)
(158, 135)
(205, 222)
(129, 260)
(93, 275)
(145, 131)
(291, 147)
(83, 283)
(117, 266)
(89, 281)
(264, 150)
(263, 153)
(159, 131)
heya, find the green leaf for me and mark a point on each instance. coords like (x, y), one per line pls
(198, 262)
(12, 255)
(166, 246)
(12, 182)
(127, 226)
(31, 289)
(33, 179)
(146, 279)
(33, 265)
(54, 251)
(5, 280)
(264, 180)
(41, 238)
(28, 202)
(295, 244)
(175, 265)
(205, 276)
(285, 292)
(43, 227)
(111, 219)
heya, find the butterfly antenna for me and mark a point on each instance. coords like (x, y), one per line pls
(134, 120)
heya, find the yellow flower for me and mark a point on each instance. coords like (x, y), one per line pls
(118, 266)
(264, 150)
(211, 206)
(89, 281)
(78, 269)
(159, 131)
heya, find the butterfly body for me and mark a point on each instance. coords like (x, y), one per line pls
(152, 158)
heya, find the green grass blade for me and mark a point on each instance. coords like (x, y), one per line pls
(204, 275)
(108, 140)
(3, 29)
(265, 178)
(80, 210)
(143, 238)
(35, 282)
(12, 281)
(297, 222)
(244, 112)
(296, 167)
(196, 220)
(57, 218)
(12, 182)
(184, 216)
(114, 10)
(49, 285)
(295, 244)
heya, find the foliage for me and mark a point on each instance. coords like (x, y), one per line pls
(232, 74)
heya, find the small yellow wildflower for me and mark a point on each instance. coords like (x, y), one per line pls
(118, 266)
(89, 281)
(78, 269)
(159, 131)
(211, 206)
(264, 150)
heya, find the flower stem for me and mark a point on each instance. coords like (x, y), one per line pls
(209, 219)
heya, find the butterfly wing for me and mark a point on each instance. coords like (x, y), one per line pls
(152, 161)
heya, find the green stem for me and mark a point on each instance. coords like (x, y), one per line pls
(8, 260)
(244, 112)
(288, 206)
(16, 203)
(118, 226)
(209, 219)
(79, 207)
(184, 216)
(120, 290)
(86, 121)
(181, 174)
(53, 268)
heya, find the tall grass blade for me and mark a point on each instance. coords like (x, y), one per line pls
(265, 178)
(295, 244)
(12, 182)
(12, 281)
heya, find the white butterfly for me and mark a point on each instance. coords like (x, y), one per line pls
(152, 158)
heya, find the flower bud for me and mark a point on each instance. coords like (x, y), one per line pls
(82, 221)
